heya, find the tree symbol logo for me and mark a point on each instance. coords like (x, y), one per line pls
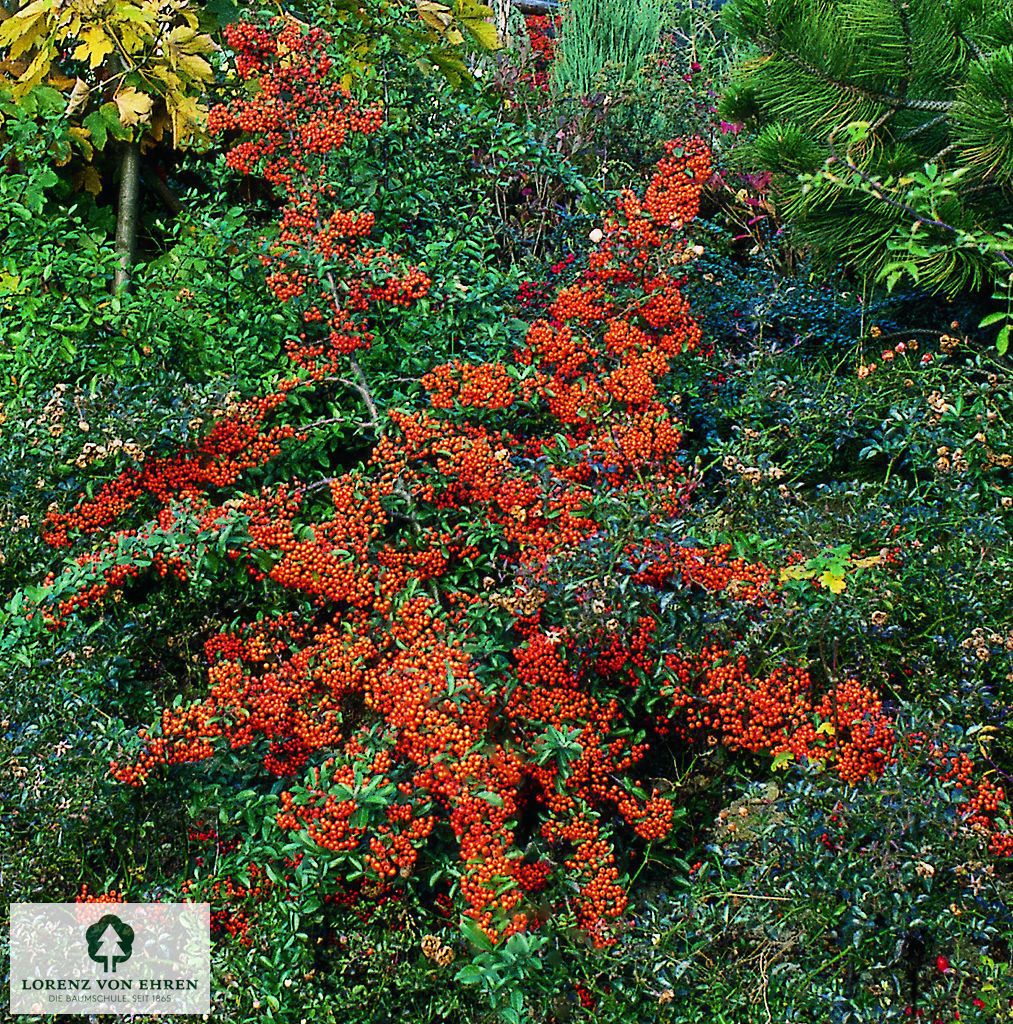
(110, 942)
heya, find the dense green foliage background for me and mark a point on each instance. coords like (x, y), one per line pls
(488, 181)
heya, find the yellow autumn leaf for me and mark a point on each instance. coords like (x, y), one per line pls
(134, 107)
(196, 67)
(867, 563)
(827, 729)
(478, 18)
(94, 47)
(436, 16)
(22, 23)
(795, 572)
(186, 114)
(10, 283)
(169, 79)
(21, 35)
(83, 139)
(485, 32)
(181, 34)
(20, 30)
(159, 123)
(133, 39)
(35, 72)
(834, 583)
(89, 181)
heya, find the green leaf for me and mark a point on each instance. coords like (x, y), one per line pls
(96, 125)
(471, 931)
(992, 318)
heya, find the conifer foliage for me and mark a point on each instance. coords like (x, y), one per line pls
(906, 109)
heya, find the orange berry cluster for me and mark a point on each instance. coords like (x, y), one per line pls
(87, 896)
(471, 385)
(299, 114)
(237, 442)
(707, 568)
(233, 901)
(986, 807)
(427, 708)
(717, 697)
(390, 685)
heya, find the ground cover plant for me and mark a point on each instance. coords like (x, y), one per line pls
(477, 539)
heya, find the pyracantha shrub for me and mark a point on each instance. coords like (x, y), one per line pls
(435, 715)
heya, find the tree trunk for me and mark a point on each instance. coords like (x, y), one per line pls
(501, 15)
(127, 214)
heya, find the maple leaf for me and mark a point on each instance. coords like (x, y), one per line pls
(134, 107)
(89, 180)
(94, 47)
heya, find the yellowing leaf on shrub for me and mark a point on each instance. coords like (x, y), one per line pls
(834, 583)
(866, 563)
(134, 106)
(826, 729)
(477, 17)
(795, 572)
(782, 760)
(485, 33)
(10, 283)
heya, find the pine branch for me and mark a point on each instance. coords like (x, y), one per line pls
(879, 191)
(883, 99)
